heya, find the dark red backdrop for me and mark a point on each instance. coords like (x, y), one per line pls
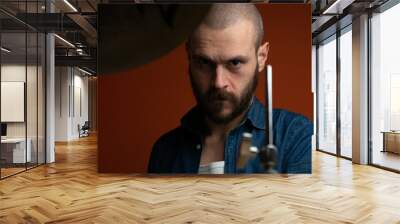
(136, 106)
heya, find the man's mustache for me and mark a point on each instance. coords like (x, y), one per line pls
(219, 94)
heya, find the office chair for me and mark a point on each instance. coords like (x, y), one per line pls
(84, 130)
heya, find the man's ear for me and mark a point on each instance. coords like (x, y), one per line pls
(262, 56)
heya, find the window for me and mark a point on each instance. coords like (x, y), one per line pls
(385, 88)
(346, 93)
(335, 74)
(327, 95)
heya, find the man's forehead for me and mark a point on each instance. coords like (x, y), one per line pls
(220, 53)
(235, 39)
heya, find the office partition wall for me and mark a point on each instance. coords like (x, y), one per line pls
(13, 145)
(22, 77)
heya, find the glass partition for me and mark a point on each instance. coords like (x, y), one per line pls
(32, 87)
(14, 153)
(385, 88)
(32, 95)
(346, 93)
(22, 63)
(327, 95)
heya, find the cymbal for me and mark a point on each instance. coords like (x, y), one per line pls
(133, 35)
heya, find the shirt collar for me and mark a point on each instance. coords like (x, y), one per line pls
(193, 120)
(256, 114)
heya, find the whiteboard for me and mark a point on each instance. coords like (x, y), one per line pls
(12, 101)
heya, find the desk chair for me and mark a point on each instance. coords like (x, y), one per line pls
(84, 130)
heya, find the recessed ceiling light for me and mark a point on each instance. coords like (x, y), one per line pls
(84, 71)
(5, 50)
(65, 41)
(337, 7)
(70, 5)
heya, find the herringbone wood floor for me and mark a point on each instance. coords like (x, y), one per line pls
(71, 191)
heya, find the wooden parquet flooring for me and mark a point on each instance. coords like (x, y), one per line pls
(10, 171)
(71, 191)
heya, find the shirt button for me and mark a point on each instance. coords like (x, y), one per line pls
(198, 146)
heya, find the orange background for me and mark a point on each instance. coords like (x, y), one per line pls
(137, 106)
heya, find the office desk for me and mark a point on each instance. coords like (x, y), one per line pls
(13, 150)
(391, 141)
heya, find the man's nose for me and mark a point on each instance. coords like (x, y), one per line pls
(220, 81)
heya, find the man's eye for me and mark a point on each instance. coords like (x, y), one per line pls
(203, 62)
(235, 63)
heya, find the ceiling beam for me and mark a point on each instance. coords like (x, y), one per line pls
(82, 61)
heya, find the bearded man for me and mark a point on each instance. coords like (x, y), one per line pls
(226, 54)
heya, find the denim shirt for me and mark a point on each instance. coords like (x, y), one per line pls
(179, 151)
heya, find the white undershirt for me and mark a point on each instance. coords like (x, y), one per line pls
(212, 168)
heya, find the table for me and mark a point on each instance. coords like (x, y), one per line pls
(13, 150)
(391, 141)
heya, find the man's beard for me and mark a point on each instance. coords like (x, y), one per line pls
(212, 102)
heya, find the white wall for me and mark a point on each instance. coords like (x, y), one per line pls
(314, 91)
(13, 72)
(62, 80)
(16, 73)
(81, 102)
(71, 93)
(10, 73)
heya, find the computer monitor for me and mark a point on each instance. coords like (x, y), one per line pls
(3, 129)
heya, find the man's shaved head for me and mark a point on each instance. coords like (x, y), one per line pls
(222, 15)
(225, 55)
